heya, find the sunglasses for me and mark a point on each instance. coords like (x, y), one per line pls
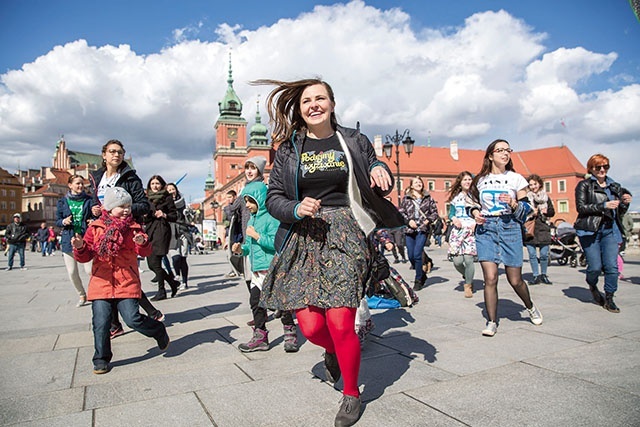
(605, 167)
(113, 151)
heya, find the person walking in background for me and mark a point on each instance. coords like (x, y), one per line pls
(51, 241)
(162, 212)
(419, 211)
(73, 214)
(399, 240)
(601, 205)
(438, 230)
(181, 237)
(327, 189)
(16, 234)
(43, 238)
(113, 242)
(259, 249)
(501, 205)
(462, 240)
(542, 210)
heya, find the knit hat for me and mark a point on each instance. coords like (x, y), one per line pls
(114, 197)
(259, 161)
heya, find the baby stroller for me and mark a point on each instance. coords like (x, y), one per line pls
(565, 246)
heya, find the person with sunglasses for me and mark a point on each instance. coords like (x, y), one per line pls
(601, 204)
(499, 205)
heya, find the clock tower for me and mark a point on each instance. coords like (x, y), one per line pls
(231, 137)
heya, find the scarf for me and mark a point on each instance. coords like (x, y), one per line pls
(539, 198)
(155, 197)
(78, 197)
(109, 243)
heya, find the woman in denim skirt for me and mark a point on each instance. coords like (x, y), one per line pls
(501, 197)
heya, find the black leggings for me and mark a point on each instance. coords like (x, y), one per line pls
(181, 266)
(260, 314)
(155, 264)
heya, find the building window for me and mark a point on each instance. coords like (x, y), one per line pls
(547, 186)
(233, 144)
(12, 193)
(3, 192)
(431, 185)
(12, 205)
(562, 186)
(3, 205)
(563, 206)
(447, 185)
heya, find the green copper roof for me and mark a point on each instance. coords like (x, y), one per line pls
(230, 106)
(258, 132)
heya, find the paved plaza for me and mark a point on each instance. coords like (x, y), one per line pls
(423, 366)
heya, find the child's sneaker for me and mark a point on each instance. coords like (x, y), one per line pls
(158, 316)
(101, 369)
(290, 339)
(259, 342)
(116, 332)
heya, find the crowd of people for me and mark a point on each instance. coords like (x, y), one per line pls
(302, 243)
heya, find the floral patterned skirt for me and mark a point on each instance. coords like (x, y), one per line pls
(324, 264)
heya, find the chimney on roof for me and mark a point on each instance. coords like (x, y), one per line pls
(453, 149)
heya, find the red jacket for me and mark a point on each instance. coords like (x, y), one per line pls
(118, 277)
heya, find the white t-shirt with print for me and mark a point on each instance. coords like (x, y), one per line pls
(459, 203)
(106, 183)
(491, 186)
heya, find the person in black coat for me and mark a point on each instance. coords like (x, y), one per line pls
(162, 212)
(17, 235)
(541, 239)
(601, 205)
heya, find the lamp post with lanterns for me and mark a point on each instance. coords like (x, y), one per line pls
(395, 140)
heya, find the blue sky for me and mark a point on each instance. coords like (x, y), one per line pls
(572, 60)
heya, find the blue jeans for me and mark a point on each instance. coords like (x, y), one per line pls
(601, 250)
(13, 248)
(130, 312)
(536, 268)
(415, 243)
(44, 245)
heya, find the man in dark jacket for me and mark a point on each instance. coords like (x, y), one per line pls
(17, 236)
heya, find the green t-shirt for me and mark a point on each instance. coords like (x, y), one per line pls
(76, 210)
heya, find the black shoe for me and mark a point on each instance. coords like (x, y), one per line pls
(349, 411)
(536, 281)
(331, 367)
(597, 296)
(163, 343)
(545, 279)
(160, 296)
(396, 261)
(417, 285)
(609, 304)
(174, 284)
(101, 369)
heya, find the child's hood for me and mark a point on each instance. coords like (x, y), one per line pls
(257, 190)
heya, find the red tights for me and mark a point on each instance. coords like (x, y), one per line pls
(333, 329)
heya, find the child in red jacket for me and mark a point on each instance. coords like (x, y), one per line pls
(113, 242)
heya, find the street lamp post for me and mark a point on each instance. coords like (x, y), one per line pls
(395, 140)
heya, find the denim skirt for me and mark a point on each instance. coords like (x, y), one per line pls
(499, 240)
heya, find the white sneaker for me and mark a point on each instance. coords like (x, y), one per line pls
(535, 315)
(490, 330)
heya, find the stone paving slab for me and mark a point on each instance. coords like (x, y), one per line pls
(426, 365)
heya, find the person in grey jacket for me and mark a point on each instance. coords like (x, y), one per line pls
(327, 189)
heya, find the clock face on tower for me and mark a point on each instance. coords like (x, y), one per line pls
(232, 132)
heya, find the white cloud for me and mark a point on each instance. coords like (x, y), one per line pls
(489, 77)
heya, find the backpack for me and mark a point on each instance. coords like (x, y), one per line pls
(400, 289)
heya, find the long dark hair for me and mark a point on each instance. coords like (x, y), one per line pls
(283, 105)
(159, 178)
(178, 195)
(457, 186)
(486, 168)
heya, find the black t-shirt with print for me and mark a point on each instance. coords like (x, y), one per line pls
(324, 173)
